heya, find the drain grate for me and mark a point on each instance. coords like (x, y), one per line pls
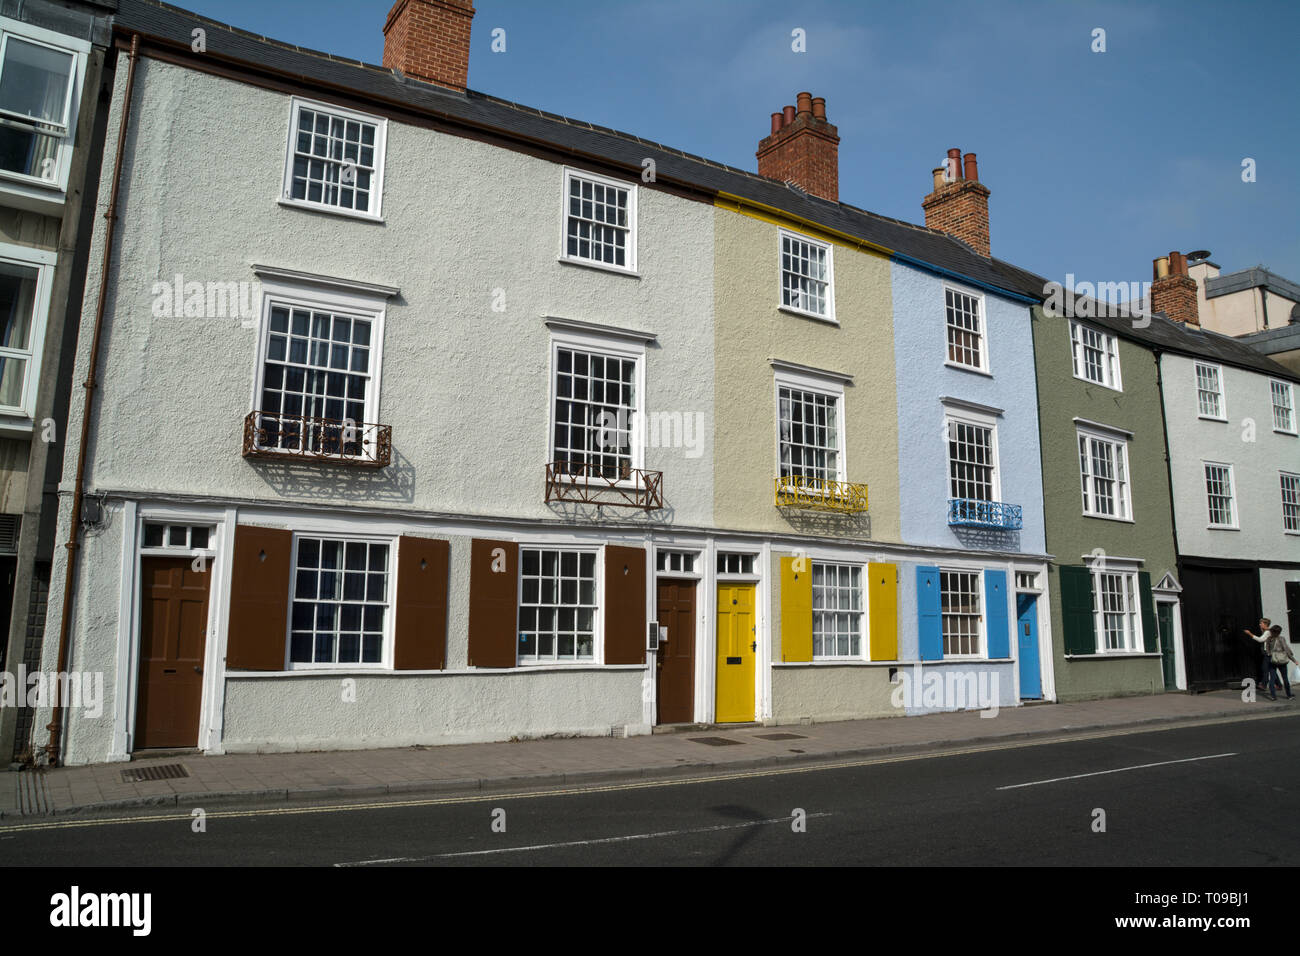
(781, 736)
(716, 741)
(165, 771)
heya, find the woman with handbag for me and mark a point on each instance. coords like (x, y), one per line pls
(1279, 652)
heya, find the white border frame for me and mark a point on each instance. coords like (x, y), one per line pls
(986, 367)
(573, 172)
(1120, 441)
(598, 618)
(955, 412)
(829, 317)
(1223, 392)
(982, 590)
(1232, 497)
(44, 262)
(1109, 564)
(822, 385)
(1282, 502)
(1109, 339)
(80, 51)
(381, 156)
(1272, 408)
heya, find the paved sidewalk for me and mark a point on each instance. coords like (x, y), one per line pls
(470, 767)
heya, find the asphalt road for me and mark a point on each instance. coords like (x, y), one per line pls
(1190, 797)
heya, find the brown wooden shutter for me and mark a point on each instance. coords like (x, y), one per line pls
(624, 605)
(259, 599)
(420, 629)
(493, 603)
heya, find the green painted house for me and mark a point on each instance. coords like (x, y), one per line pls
(1113, 585)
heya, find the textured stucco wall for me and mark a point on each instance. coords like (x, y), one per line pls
(1248, 443)
(465, 388)
(751, 330)
(1070, 533)
(308, 713)
(920, 344)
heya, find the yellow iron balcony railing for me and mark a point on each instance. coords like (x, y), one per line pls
(820, 494)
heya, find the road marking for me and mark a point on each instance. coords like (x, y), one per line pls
(642, 784)
(1099, 773)
(554, 846)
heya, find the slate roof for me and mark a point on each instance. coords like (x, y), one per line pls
(927, 247)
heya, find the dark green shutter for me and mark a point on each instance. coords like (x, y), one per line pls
(1150, 637)
(1076, 610)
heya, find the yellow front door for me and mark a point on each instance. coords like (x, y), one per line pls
(736, 655)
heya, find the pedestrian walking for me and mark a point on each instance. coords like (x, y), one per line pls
(1261, 638)
(1279, 653)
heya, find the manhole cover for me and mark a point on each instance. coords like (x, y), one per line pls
(716, 741)
(781, 736)
(165, 771)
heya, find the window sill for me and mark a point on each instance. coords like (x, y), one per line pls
(800, 313)
(32, 195)
(837, 662)
(1088, 514)
(330, 210)
(374, 670)
(1283, 431)
(1113, 656)
(968, 368)
(599, 266)
(16, 425)
(1212, 418)
(1222, 527)
(1109, 388)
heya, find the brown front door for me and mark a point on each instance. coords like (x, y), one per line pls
(173, 628)
(676, 612)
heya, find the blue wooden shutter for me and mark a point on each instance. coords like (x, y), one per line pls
(928, 613)
(995, 613)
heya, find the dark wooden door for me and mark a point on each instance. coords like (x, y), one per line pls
(1219, 603)
(173, 632)
(1165, 625)
(675, 610)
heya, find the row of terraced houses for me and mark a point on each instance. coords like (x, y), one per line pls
(395, 413)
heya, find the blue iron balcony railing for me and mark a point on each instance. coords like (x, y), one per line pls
(973, 513)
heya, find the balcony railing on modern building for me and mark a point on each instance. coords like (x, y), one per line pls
(973, 513)
(596, 484)
(305, 439)
(820, 494)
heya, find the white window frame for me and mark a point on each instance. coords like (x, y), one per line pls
(1134, 640)
(612, 346)
(571, 173)
(1110, 370)
(1222, 392)
(826, 247)
(167, 549)
(1282, 478)
(755, 559)
(981, 597)
(861, 613)
(43, 262)
(810, 382)
(1232, 496)
(969, 417)
(1289, 391)
(356, 304)
(598, 609)
(385, 661)
(45, 189)
(1124, 491)
(983, 368)
(375, 214)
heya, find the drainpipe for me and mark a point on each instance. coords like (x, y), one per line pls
(55, 725)
(1156, 354)
(1263, 301)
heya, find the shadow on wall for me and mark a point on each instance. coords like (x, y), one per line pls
(988, 539)
(594, 514)
(325, 481)
(828, 522)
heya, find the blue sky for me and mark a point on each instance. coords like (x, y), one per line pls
(1097, 162)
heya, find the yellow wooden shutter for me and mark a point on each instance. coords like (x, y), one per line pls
(796, 610)
(882, 597)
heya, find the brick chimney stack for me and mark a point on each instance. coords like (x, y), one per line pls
(1173, 291)
(429, 40)
(803, 149)
(959, 204)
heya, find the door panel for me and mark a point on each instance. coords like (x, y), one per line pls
(1031, 676)
(737, 635)
(1165, 625)
(173, 635)
(675, 611)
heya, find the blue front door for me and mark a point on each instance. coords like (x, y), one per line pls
(1031, 680)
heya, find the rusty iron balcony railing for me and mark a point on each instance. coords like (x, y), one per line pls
(820, 494)
(306, 439)
(593, 484)
(973, 513)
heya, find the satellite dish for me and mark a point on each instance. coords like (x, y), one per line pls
(1198, 255)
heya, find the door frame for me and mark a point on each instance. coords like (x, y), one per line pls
(126, 687)
(699, 577)
(1043, 624)
(707, 688)
(1170, 595)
